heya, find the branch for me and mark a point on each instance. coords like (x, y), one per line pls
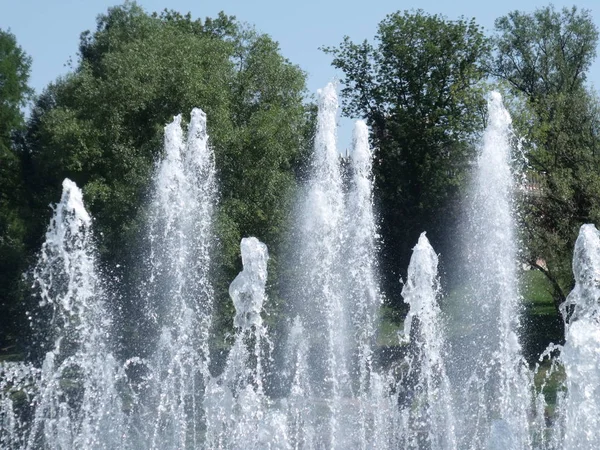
(559, 295)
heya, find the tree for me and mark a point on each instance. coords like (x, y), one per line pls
(14, 93)
(102, 126)
(417, 88)
(544, 57)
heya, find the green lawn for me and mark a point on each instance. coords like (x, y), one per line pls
(541, 322)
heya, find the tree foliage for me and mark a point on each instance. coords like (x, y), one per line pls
(419, 84)
(417, 87)
(545, 57)
(102, 125)
(14, 93)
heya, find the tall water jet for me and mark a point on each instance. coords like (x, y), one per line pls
(425, 389)
(493, 404)
(179, 291)
(362, 296)
(319, 271)
(78, 404)
(580, 355)
(238, 413)
(361, 258)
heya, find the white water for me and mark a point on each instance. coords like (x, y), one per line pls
(427, 408)
(320, 273)
(580, 355)
(237, 409)
(179, 291)
(476, 394)
(363, 296)
(77, 401)
(491, 383)
(17, 390)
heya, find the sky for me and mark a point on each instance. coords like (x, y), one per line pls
(48, 30)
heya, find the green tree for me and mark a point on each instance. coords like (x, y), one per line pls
(102, 126)
(14, 93)
(544, 57)
(417, 88)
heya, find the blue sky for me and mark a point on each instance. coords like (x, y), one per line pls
(48, 30)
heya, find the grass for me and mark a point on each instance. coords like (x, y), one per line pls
(542, 324)
(536, 290)
(552, 379)
(390, 324)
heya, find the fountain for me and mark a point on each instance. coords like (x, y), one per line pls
(178, 291)
(77, 400)
(427, 407)
(460, 381)
(580, 355)
(320, 295)
(491, 382)
(363, 294)
(362, 288)
(237, 409)
(337, 296)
